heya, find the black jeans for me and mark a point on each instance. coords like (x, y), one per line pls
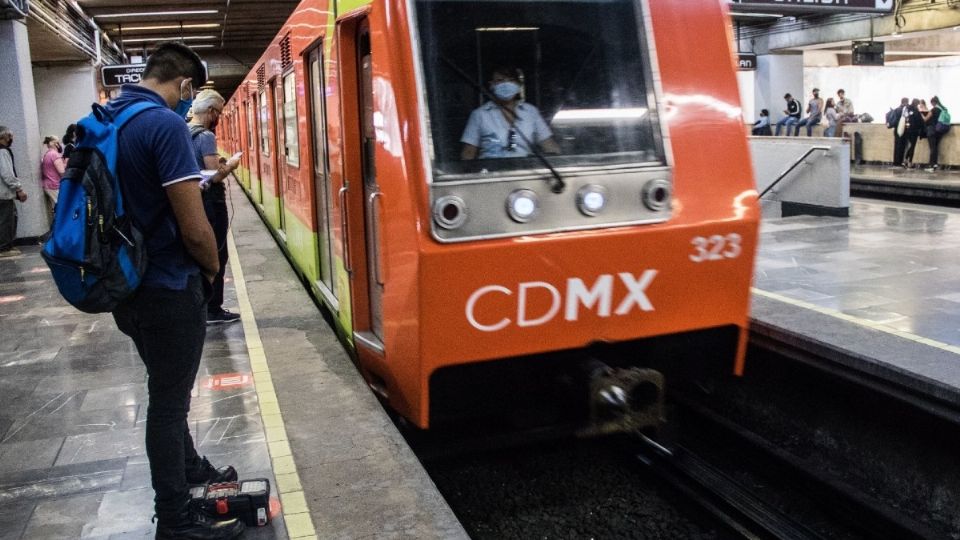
(168, 328)
(933, 139)
(8, 224)
(219, 219)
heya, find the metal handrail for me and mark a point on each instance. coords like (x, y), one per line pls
(793, 166)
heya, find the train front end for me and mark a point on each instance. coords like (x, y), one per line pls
(613, 250)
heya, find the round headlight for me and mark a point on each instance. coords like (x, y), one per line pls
(523, 205)
(591, 199)
(656, 195)
(449, 212)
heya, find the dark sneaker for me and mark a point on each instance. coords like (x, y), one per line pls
(208, 474)
(222, 316)
(199, 526)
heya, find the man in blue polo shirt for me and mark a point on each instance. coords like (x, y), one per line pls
(166, 316)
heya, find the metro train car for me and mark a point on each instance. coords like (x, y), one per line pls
(560, 249)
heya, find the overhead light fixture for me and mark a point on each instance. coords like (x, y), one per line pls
(170, 27)
(177, 38)
(158, 13)
(507, 29)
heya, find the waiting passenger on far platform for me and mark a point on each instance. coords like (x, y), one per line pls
(10, 189)
(207, 108)
(507, 126)
(762, 125)
(832, 119)
(69, 142)
(899, 126)
(914, 127)
(930, 119)
(845, 112)
(814, 114)
(166, 316)
(791, 115)
(52, 168)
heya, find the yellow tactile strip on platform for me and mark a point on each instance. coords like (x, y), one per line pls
(296, 515)
(856, 320)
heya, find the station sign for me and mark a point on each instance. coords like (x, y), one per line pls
(746, 61)
(814, 6)
(114, 76)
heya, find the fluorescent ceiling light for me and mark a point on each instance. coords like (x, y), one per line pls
(507, 29)
(583, 115)
(158, 13)
(178, 38)
(169, 27)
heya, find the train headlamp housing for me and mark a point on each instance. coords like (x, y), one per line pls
(450, 212)
(656, 194)
(523, 205)
(591, 199)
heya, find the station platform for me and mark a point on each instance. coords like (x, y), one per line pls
(276, 396)
(876, 295)
(941, 187)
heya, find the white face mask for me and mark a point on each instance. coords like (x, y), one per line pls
(506, 90)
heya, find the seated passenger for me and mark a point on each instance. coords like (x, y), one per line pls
(762, 126)
(507, 126)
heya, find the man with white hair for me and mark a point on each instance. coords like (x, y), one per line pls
(10, 189)
(207, 108)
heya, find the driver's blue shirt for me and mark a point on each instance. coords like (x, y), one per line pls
(489, 131)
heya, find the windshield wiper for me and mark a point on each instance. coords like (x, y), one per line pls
(557, 185)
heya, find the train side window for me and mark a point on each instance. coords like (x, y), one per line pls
(579, 65)
(291, 137)
(249, 111)
(264, 124)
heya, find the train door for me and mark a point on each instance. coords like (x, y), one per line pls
(276, 94)
(367, 281)
(264, 129)
(321, 176)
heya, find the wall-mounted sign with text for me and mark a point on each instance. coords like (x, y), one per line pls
(746, 61)
(119, 75)
(813, 6)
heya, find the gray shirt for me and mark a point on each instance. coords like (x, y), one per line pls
(9, 183)
(490, 131)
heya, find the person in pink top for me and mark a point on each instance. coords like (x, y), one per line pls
(51, 170)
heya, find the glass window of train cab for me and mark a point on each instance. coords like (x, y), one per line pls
(291, 137)
(579, 65)
(264, 124)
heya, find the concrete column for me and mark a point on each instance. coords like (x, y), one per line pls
(778, 74)
(18, 111)
(64, 94)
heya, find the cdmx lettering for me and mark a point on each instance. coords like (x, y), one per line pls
(598, 297)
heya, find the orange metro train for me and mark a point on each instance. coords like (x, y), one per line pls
(601, 243)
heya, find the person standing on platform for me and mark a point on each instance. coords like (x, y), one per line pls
(791, 115)
(930, 119)
(914, 128)
(166, 316)
(900, 117)
(52, 168)
(10, 189)
(814, 114)
(831, 115)
(69, 142)
(207, 108)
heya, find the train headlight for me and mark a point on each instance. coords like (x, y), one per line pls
(656, 195)
(591, 199)
(523, 205)
(449, 212)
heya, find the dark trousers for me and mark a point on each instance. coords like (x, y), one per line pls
(8, 224)
(933, 139)
(911, 146)
(220, 221)
(899, 148)
(168, 328)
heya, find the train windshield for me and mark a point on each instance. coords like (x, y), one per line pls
(507, 79)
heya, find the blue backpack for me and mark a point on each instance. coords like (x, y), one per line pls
(95, 252)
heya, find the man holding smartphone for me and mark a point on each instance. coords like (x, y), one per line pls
(207, 108)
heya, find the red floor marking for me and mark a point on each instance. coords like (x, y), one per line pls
(275, 508)
(227, 381)
(11, 299)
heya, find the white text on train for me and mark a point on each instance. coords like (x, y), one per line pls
(598, 297)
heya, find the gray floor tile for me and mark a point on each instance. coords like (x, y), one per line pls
(14, 518)
(63, 518)
(104, 445)
(23, 456)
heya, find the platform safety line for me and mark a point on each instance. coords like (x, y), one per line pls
(296, 514)
(858, 321)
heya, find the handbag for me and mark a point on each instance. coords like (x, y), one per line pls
(902, 125)
(941, 128)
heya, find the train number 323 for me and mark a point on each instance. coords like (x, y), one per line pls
(716, 248)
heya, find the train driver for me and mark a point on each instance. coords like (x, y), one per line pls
(507, 126)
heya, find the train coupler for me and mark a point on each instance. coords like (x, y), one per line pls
(624, 400)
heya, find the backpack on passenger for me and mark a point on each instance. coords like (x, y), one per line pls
(943, 121)
(891, 118)
(95, 252)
